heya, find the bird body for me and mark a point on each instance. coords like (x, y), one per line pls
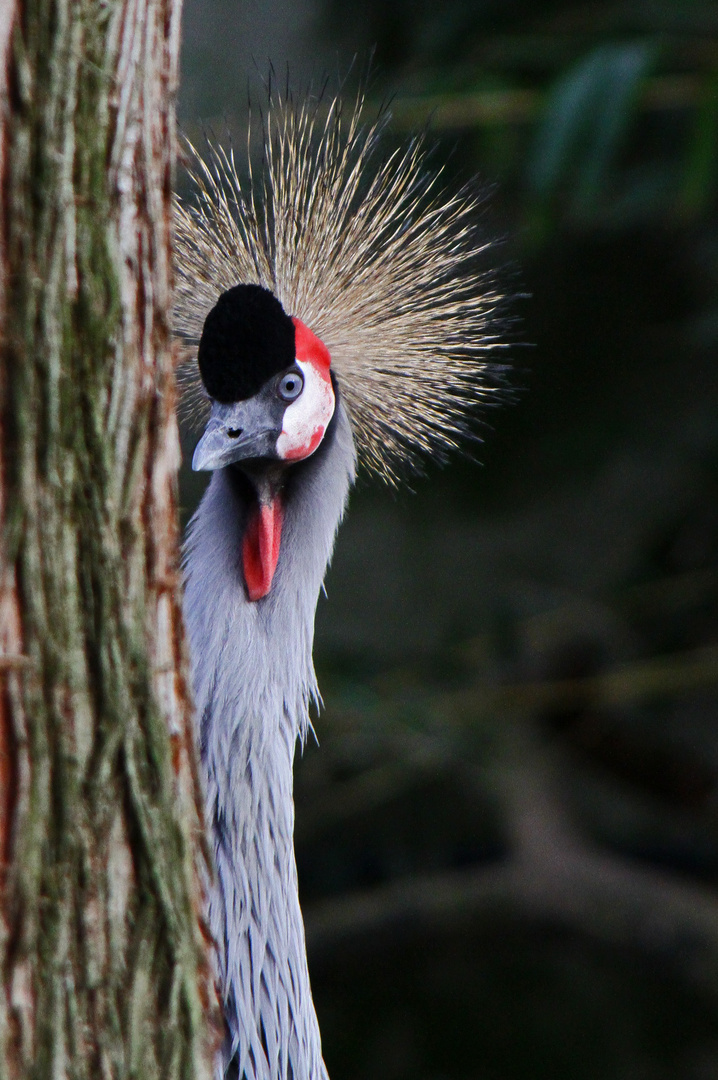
(333, 312)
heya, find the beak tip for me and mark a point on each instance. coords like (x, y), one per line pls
(200, 462)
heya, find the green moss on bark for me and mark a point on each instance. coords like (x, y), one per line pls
(102, 892)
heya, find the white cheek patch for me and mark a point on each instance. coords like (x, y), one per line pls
(306, 419)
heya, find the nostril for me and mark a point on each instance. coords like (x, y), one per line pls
(234, 432)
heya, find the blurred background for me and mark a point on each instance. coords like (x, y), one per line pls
(508, 839)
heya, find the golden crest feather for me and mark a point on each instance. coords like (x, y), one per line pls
(369, 253)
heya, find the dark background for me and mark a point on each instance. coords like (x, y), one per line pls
(508, 840)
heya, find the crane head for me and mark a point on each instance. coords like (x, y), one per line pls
(272, 397)
(269, 380)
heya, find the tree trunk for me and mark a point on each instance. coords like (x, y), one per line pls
(104, 970)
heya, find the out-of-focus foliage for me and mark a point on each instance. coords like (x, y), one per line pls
(616, 104)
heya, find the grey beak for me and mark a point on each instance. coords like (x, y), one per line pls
(238, 432)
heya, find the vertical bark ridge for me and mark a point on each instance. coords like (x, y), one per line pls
(104, 965)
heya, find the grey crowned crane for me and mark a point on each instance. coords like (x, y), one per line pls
(334, 312)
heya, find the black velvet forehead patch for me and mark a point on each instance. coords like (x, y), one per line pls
(247, 338)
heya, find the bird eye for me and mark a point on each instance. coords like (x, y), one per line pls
(291, 386)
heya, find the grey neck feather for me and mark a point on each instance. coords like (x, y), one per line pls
(253, 679)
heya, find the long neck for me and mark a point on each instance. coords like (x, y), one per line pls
(253, 680)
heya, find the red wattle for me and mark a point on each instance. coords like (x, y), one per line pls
(260, 546)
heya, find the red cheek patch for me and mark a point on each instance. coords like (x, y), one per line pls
(298, 453)
(260, 546)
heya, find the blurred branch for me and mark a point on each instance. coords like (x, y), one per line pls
(594, 893)
(551, 875)
(631, 683)
(485, 108)
(419, 754)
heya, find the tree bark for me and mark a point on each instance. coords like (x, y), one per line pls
(103, 952)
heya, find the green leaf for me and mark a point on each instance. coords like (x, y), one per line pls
(587, 115)
(701, 172)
